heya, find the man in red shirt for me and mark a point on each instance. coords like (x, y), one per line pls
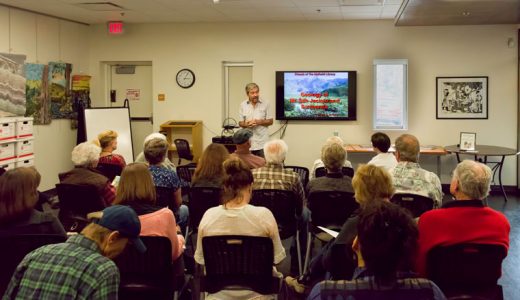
(466, 219)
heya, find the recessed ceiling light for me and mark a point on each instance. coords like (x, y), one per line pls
(466, 13)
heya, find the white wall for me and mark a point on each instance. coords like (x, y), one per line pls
(45, 39)
(431, 51)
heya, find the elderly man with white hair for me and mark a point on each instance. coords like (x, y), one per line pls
(465, 219)
(85, 157)
(156, 135)
(274, 176)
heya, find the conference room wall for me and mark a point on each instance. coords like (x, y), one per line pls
(351, 45)
(44, 39)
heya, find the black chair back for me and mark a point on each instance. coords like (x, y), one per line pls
(244, 261)
(110, 170)
(414, 203)
(467, 269)
(201, 199)
(150, 275)
(331, 208)
(321, 171)
(15, 247)
(76, 201)
(302, 172)
(283, 206)
(165, 197)
(183, 150)
(185, 172)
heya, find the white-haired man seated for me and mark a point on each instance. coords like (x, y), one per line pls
(85, 157)
(465, 219)
(274, 176)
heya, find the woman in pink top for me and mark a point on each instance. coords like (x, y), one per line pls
(136, 189)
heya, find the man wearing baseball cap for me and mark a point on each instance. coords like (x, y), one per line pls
(80, 268)
(242, 139)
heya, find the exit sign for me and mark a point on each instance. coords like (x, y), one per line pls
(115, 27)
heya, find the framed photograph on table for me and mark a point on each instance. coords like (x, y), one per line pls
(462, 97)
(468, 140)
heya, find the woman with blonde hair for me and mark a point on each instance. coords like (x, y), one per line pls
(136, 190)
(371, 184)
(210, 171)
(108, 143)
(237, 217)
(18, 196)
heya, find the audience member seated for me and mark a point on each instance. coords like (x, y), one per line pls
(18, 196)
(85, 158)
(108, 143)
(371, 185)
(136, 190)
(385, 246)
(156, 135)
(242, 140)
(274, 176)
(237, 217)
(409, 177)
(465, 219)
(319, 163)
(209, 171)
(333, 157)
(381, 143)
(80, 268)
(155, 152)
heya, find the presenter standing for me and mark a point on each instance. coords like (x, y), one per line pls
(254, 114)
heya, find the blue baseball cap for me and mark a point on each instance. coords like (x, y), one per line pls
(123, 219)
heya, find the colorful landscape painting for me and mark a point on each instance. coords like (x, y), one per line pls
(38, 103)
(59, 90)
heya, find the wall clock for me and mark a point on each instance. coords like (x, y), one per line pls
(185, 78)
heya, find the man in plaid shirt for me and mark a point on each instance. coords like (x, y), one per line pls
(80, 268)
(274, 176)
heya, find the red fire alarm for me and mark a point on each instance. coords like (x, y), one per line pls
(115, 27)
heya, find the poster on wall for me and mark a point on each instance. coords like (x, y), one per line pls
(12, 85)
(80, 96)
(38, 103)
(59, 90)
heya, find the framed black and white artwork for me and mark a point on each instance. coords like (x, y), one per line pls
(462, 97)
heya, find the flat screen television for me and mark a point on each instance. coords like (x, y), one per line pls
(316, 95)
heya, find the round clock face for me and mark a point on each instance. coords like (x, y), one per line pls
(185, 78)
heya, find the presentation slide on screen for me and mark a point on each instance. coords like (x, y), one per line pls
(316, 94)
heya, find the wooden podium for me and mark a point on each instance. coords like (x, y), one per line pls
(182, 129)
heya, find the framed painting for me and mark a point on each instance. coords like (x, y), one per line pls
(462, 97)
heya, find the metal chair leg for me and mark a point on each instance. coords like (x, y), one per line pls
(299, 252)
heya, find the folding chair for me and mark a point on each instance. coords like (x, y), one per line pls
(150, 275)
(416, 204)
(183, 150)
(76, 201)
(14, 249)
(201, 199)
(467, 270)
(302, 172)
(239, 262)
(321, 171)
(283, 205)
(330, 209)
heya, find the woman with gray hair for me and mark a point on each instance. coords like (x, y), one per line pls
(156, 135)
(319, 162)
(85, 158)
